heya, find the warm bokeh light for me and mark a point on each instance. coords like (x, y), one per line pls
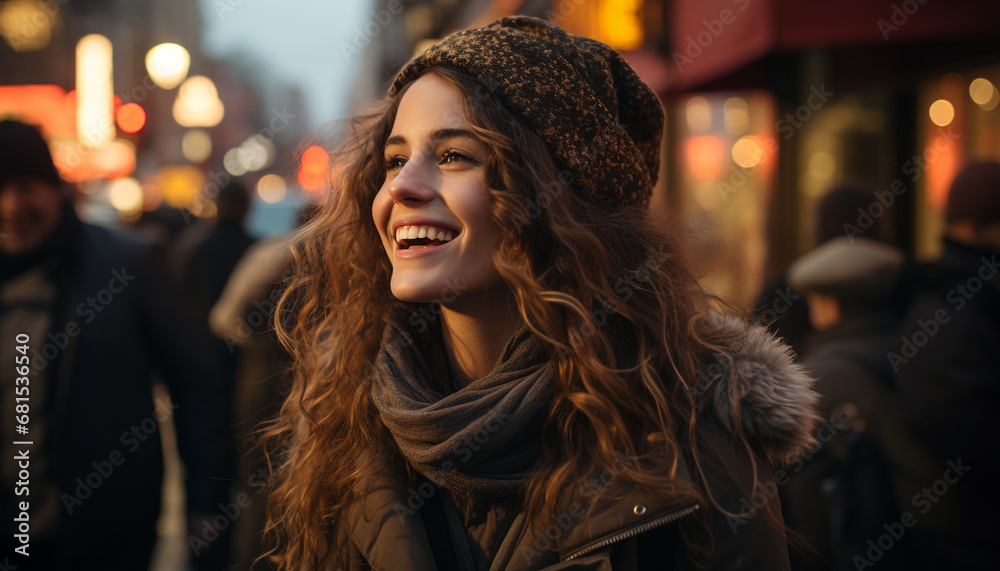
(167, 65)
(699, 114)
(271, 188)
(114, 160)
(151, 197)
(981, 90)
(26, 25)
(233, 163)
(314, 169)
(992, 103)
(621, 24)
(131, 117)
(196, 145)
(125, 194)
(943, 156)
(748, 152)
(257, 152)
(942, 112)
(94, 91)
(736, 115)
(822, 165)
(179, 185)
(704, 157)
(42, 105)
(198, 103)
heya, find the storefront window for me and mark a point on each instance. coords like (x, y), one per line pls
(726, 157)
(959, 122)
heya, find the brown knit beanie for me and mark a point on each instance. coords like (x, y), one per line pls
(975, 195)
(599, 120)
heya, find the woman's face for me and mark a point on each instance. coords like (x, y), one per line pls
(433, 210)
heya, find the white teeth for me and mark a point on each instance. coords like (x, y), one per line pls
(429, 232)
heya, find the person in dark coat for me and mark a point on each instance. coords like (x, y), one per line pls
(89, 314)
(946, 364)
(845, 493)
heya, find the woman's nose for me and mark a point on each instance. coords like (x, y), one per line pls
(413, 182)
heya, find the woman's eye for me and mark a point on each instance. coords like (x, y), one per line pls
(454, 157)
(393, 163)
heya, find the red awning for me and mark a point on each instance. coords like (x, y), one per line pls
(713, 38)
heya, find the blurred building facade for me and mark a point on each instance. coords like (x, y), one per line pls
(771, 102)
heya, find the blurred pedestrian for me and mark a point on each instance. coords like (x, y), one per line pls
(88, 312)
(787, 313)
(841, 498)
(207, 262)
(242, 318)
(501, 359)
(948, 377)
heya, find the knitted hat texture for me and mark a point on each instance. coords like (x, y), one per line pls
(598, 119)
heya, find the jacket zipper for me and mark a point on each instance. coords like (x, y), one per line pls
(633, 531)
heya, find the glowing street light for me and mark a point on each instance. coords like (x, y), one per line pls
(94, 91)
(168, 65)
(26, 25)
(198, 103)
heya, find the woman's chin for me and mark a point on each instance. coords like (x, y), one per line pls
(411, 292)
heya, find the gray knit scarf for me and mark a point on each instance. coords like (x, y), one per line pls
(481, 440)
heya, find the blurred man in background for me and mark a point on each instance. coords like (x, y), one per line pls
(948, 376)
(99, 323)
(870, 465)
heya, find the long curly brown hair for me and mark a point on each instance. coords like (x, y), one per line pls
(605, 289)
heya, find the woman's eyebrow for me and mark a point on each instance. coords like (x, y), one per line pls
(438, 135)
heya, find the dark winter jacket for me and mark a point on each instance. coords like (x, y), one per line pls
(949, 382)
(115, 327)
(606, 524)
(868, 464)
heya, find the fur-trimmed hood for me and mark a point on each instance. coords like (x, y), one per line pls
(758, 384)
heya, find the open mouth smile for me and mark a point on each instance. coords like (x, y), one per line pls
(414, 240)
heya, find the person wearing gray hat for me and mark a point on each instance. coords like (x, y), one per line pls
(843, 496)
(946, 371)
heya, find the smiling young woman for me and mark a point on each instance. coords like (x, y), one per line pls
(501, 361)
